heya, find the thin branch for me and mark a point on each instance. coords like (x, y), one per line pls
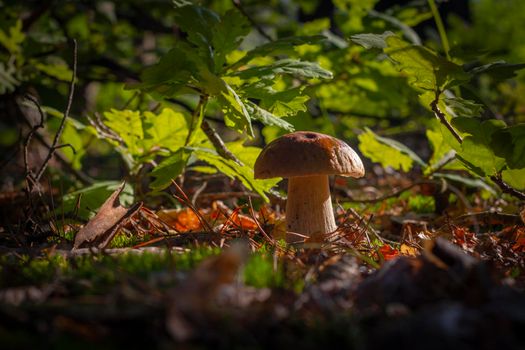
(29, 136)
(63, 121)
(238, 5)
(506, 188)
(441, 116)
(217, 142)
(67, 145)
(79, 175)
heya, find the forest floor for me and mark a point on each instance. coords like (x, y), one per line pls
(401, 271)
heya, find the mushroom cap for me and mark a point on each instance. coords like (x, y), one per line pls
(307, 153)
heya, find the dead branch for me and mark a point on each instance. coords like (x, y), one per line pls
(54, 145)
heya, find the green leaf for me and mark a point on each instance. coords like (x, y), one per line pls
(168, 129)
(286, 66)
(514, 177)
(174, 70)
(369, 41)
(8, 77)
(461, 107)
(425, 69)
(235, 114)
(244, 172)
(170, 168)
(283, 46)
(388, 152)
(58, 70)
(198, 23)
(72, 137)
(499, 70)
(213, 35)
(509, 143)
(13, 39)
(470, 182)
(280, 103)
(92, 197)
(228, 35)
(128, 125)
(442, 152)
(267, 118)
(476, 151)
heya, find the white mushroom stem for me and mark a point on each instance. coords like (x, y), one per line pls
(309, 207)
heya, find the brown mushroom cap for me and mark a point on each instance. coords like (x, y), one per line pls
(307, 153)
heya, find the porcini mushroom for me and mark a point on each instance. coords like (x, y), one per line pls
(307, 159)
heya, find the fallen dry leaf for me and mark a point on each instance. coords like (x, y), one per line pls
(101, 229)
(388, 252)
(182, 220)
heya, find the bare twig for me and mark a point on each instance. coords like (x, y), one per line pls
(53, 147)
(79, 175)
(34, 128)
(260, 30)
(217, 142)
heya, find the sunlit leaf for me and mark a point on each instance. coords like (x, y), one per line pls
(514, 177)
(244, 172)
(286, 66)
(280, 47)
(168, 129)
(128, 125)
(369, 40)
(388, 152)
(268, 118)
(235, 114)
(12, 39)
(170, 168)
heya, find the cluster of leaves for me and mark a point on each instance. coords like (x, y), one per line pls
(486, 147)
(218, 71)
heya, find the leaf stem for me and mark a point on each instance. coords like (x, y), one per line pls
(440, 27)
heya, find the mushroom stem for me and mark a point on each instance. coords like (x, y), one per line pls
(309, 207)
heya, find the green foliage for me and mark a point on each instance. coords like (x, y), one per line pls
(170, 168)
(244, 172)
(353, 69)
(388, 152)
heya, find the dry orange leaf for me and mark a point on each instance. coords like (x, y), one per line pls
(388, 252)
(181, 219)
